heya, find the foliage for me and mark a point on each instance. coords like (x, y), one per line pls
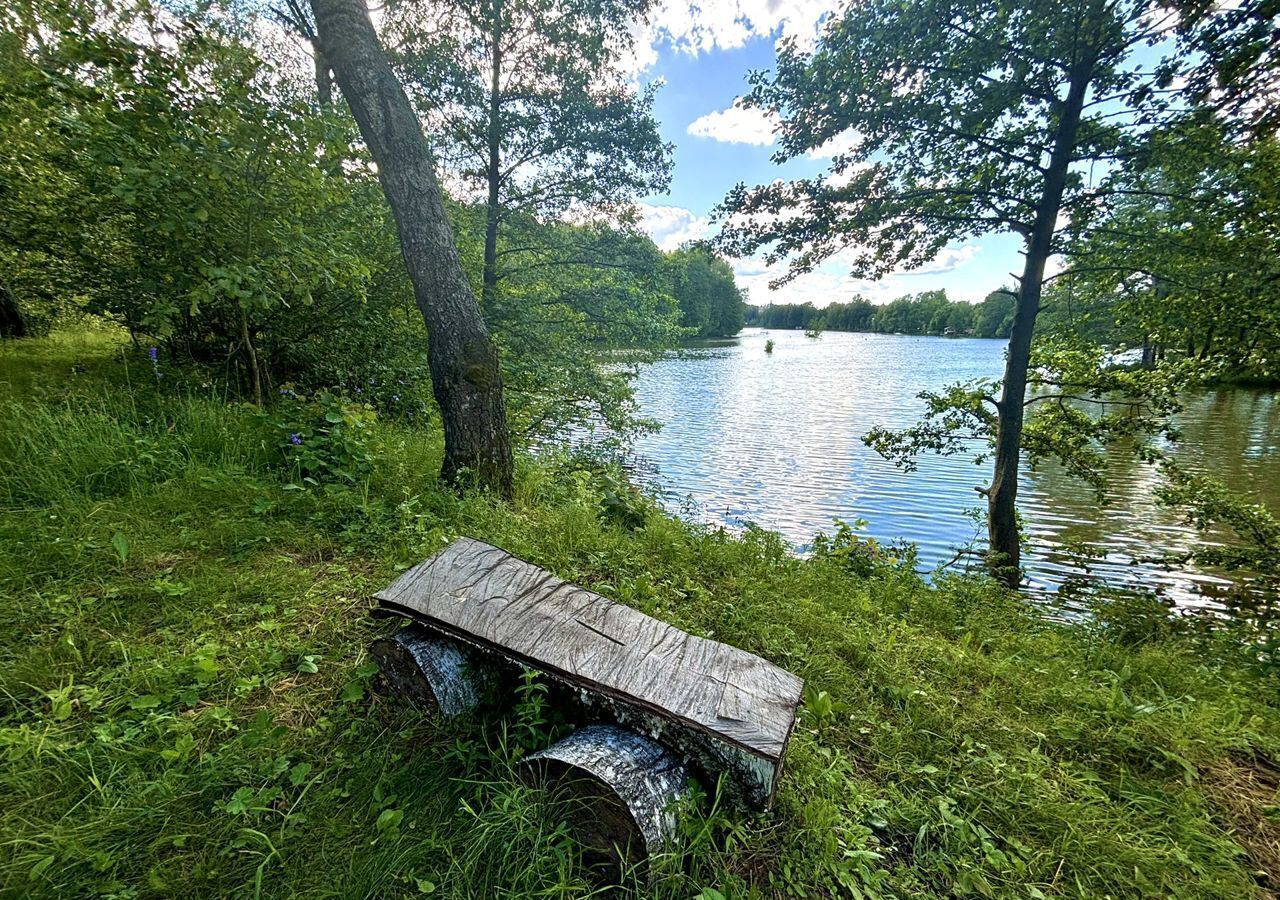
(323, 439)
(1182, 257)
(1210, 504)
(172, 186)
(1235, 45)
(703, 286)
(929, 312)
(179, 180)
(948, 112)
(1080, 400)
(862, 556)
(531, 108)
(197, 715)
(572, 329)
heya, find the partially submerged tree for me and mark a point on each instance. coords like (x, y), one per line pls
(462, 356)
(530, 106)
(964, 118)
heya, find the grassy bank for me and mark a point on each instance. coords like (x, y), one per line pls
(188, 710)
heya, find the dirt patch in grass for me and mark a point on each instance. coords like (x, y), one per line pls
(1245, 789)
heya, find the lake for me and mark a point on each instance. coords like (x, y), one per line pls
(775, 439)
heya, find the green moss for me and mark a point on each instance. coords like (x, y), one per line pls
(187, 705)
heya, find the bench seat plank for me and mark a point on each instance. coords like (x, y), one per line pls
(484, 595)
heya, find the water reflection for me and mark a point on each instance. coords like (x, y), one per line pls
(775, 439)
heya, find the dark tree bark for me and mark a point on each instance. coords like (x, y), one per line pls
(463, 359)
(324, 79)
(294, 15)
(12, 324)
(1004, 553)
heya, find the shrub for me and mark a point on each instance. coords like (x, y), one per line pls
(863, 556)
(323, 439)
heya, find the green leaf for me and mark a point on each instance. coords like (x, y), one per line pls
(41, 864)
(121, 544)
(352, 692)
(389, 820)
(307, 665)
(146, 701)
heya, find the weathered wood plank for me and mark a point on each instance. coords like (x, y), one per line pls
(484, 595)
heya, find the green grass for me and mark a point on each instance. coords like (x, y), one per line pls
(187, 708)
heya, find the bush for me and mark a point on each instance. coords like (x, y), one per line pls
(863, 556)
(323, 439)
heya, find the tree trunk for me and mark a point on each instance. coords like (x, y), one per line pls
(490, 284)
(1148, 352)
(462, 357)
(1208, 343)
(12, 323)
(1004, 553)
(324, 77)
(246, 338)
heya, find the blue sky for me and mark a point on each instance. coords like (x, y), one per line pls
(703, 55)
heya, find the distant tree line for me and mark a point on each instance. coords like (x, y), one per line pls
(930, 312)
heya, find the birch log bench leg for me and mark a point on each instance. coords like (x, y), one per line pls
(658, 705)
(433, 672)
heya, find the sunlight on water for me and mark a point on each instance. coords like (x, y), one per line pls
(775, 439)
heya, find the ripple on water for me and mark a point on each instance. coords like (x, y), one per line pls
(775, 439)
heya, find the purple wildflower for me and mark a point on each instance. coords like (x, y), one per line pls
(295, 439)
(154, 353)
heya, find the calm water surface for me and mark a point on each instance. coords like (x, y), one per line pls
(776, 440)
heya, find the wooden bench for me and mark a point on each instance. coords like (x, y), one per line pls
(692, 702)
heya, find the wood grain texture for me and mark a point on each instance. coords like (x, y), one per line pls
(485, 595)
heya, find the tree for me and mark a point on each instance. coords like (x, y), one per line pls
(994, 317)
(463, 358)
(1184, 255)
(12, 323)
(163, 179)
(704, 288)
(297, 17)
(966, 118)
(1238, 50)
(573, 331)
(530, 107)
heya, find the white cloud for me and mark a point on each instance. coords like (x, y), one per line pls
(671, 226)
(948, 260)
(736, 125)
(845, 142)
(832, 283)
(699, 26)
